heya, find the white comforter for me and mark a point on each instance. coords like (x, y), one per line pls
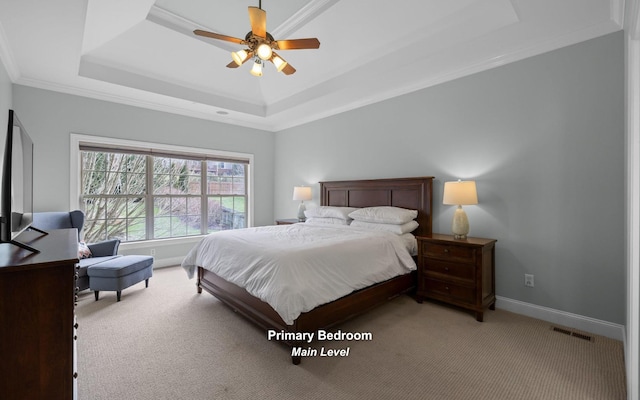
(295, 268)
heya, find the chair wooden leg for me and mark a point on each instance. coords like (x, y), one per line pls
(118, 294)
(146, 283)
(96, 294)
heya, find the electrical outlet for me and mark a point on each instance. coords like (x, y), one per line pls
(528, 280)
(152, 252)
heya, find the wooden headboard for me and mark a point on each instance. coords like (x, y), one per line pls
(412, 193)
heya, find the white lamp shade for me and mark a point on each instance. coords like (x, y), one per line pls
(239, 56)
(279, 63)
(302, 193)
(256, 70)
(460, 193)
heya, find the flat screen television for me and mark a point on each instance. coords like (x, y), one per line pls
(16, 192)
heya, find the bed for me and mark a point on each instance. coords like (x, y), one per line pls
(410, 193)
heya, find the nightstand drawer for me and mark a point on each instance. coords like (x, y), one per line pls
(448, 252)
(451, 291)
(456, 270)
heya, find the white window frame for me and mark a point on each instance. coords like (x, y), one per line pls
(75, 167)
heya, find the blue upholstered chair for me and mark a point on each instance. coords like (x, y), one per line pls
(100, 251)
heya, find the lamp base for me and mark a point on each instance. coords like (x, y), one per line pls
(460, 224)
(301, 216)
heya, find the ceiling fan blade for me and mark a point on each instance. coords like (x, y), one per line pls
(288, 70)
(298, 44)
(219, 36)
(232, 64)
(258, 19)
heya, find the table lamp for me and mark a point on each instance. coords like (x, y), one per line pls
(460, 193)
(301, 193)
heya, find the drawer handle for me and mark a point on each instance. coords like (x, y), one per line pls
(446, 250)
(446, 288)
(446, 268)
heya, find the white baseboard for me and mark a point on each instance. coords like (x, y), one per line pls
(167, 262)
(579, 322)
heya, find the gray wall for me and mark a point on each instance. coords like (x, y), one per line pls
(50, 117)
(543, 138)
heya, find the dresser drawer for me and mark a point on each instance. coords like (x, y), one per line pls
(437, 288)
(450, 269)
(448, 252)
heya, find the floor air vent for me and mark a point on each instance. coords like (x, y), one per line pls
(571, 333)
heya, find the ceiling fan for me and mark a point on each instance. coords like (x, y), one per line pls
(261, 44)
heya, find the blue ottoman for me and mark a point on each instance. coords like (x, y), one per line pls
(119, 273)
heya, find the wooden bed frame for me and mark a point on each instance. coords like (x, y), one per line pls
(412, 193)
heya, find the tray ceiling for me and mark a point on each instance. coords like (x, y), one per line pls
(143, 52)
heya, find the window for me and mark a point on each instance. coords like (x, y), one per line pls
(137, 194)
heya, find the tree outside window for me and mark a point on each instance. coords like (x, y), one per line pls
(140, 197)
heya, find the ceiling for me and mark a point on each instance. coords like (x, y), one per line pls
(143, 52)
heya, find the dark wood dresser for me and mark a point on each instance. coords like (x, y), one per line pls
(37, 317)
(457, 271)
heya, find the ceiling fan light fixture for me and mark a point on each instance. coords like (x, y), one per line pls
(239, 56)
(264, 51)
(256, 70)
(279, 63)
(261, 44)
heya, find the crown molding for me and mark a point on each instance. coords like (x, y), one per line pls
(307, 13)
(143, 103)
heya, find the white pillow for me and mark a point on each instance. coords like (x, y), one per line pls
(393, 228)
(329, 212)
(327, 221)
(83, 250)
(384, 215)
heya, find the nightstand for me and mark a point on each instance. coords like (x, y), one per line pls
(457, 271)
(287, 221)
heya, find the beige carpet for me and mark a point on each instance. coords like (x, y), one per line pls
(168, 342)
